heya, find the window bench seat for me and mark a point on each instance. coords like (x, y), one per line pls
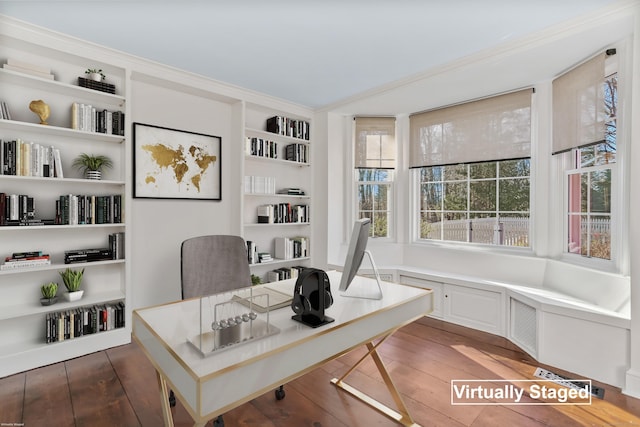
(557, 321)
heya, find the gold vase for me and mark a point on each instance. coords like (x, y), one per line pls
(41, 109)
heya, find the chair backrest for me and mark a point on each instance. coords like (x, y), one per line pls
(212, 264)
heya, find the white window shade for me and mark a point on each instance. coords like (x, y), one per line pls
(578, 106)
(375, 143)
(496, 128)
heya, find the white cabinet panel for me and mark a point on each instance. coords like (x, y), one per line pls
(476, 308)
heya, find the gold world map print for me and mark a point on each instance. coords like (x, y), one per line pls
(176, 164)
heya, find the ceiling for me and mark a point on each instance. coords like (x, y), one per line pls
(313, 53)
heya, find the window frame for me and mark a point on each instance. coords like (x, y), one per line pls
(391, 188)
(566, 162)
(468, 180)
(354, 213)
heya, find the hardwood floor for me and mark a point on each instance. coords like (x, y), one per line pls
(118, 387)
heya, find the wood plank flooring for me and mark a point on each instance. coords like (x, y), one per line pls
(118, 387)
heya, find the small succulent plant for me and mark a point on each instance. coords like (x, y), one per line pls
(49, 290)
(72, 279)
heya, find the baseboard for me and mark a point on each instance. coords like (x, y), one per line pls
(632, 384)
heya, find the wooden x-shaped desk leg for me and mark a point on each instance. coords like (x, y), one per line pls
(401, 416)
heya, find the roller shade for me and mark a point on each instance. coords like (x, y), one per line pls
(495, 128)
(578, 106)
(375, 142)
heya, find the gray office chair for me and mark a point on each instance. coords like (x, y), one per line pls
(213, 264)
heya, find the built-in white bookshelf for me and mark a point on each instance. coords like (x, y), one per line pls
(274, 173)
(22, 317)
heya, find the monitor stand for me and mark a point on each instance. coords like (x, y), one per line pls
(357, 290)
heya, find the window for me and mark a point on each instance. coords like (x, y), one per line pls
(585, 103)
(589, 188)
(485, 202)
(375, 161)
(472, 166)
(374, 199)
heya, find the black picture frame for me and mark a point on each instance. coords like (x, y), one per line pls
(176, 164)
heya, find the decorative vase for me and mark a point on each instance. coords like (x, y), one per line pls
(48, 301)
(95, 76)
(93, 175)
(41, 109)
(73, 296)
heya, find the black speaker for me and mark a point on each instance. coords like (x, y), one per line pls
(311, 296)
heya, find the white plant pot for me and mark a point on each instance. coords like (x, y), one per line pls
(95, 76)
(73, 296)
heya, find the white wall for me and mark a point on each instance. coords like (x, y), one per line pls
(161, 225)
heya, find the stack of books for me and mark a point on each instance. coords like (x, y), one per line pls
(292, 191)
(95, 85)
(87, 255)
(25, 260)
(28, 68)
(264, 257)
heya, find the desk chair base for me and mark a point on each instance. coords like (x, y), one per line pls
(401, 416)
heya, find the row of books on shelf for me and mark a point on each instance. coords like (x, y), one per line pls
(261, 147)
(89, 209)
(78, 322)
(289, 127)
(259, 185)
(5, 114)
(297, 153)
(86, 117)
(284, 273)
(291, 247)
(20, 210)
(19, 260)
(285, 248)
(282, 213)
(26, 158)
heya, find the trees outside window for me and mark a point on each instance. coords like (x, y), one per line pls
(486, 202)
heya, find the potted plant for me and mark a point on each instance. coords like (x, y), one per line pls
(255, 280)
(72, 280)
(91, 165)
(95, 74)
(49, 291)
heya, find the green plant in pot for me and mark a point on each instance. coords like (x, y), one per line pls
(91, 165)
(95, 74)
(49, 291)
(72, 280)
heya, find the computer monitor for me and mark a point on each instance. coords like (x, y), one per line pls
(355, 254)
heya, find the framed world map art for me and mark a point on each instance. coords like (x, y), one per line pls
(175, 164)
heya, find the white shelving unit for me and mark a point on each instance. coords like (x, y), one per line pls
(286, 174)
(22, 318)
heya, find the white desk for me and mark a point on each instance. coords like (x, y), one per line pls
(249, 370)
